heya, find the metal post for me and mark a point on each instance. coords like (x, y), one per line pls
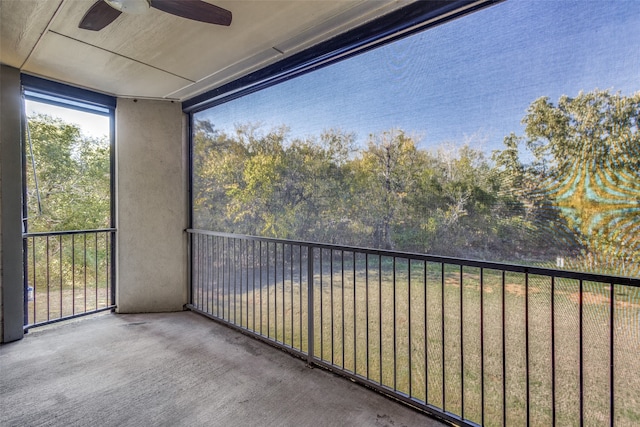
(310, 305)
(189, 267)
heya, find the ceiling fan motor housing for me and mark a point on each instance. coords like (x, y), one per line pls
(134, 7)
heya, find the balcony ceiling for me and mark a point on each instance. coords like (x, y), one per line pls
(158, 55)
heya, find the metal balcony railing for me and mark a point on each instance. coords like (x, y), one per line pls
(472, 342)
(67, 274)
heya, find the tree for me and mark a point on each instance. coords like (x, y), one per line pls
(586, 164)
(264, 183)
(579, 194)
(386, 172)
(73, 174)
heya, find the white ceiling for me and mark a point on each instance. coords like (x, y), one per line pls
(158, 55)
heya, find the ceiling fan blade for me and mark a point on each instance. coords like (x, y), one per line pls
(196, 10)
(98, 16)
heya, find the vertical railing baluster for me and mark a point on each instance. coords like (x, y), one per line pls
(49, 284)
(202, 268)
(106, 250)
(245, 292)
(194, 269)
(426, 336)
(247, 253)
(235, 283)
(84, 265)
(212, 282)
(73, 274)
(482, 346)
(355, 320)
(241, 279)
(409, 323)
(220, 288)
(260, 282)
(225, 282)
(216, 275)
(35, 284)
(210, 270)
(222, 254)
(253, 281)
(26, 282)
(461, 342)
(291, 291)
(553, 352)
(268, 294)
(581, 332)
(196, 272)
(310, 305)
(198, 285)
(380, 314)
(202, 249)
(229, 260)
(342, 301)
(60, 260)
(300, 293)
(526, 345)
(442, 312)
(366, 297)
(504, 355)
(190, 238)
(275, 289)
(331, 290)
(112, 267)
(284, 310)
(95, 256)
(223, 271)
(611, 354)
(321, 306)
(395, 318)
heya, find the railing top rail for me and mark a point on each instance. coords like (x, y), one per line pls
(515, 268)
(67, 232)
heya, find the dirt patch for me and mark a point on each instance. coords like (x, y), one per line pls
(592, 298)
(519, 290)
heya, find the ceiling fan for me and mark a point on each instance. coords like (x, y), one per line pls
(104, 12)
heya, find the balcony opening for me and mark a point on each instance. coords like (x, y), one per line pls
(451, 218)
(68, 215)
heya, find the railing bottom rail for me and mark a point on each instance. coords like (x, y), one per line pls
(62, 319)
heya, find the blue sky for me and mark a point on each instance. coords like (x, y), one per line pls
(470, 80)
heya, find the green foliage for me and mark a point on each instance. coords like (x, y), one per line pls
(586, 170)
(390, 194)
(567, 201)
(73, 175)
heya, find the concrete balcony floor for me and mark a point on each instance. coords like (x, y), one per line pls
(175, 369)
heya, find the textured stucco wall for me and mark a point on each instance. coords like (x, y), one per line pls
(11, 286)
(151, 204)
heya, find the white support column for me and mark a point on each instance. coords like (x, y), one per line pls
(151, 205)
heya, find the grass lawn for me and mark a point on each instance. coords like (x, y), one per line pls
(55, 304)
(393, 335)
